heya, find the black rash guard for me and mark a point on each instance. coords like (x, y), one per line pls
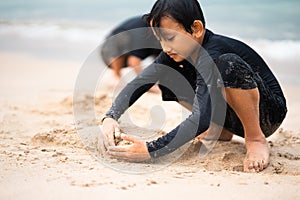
(200, 85)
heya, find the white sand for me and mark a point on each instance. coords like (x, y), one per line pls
(42, 156)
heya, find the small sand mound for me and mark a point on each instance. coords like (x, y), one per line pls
(67, 102)
(58, 137)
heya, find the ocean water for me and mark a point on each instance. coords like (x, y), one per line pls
(268, 19)
(71, 29)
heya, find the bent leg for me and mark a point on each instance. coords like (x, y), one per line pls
(215, 132)
(116, 65)
(135, 63)
(245, 104)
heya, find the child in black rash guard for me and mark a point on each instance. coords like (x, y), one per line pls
(226, 85)
(117, 51)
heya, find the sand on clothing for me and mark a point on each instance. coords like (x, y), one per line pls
(43, 156)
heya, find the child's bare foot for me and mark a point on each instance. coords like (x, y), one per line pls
(258, 155)
(213, 133)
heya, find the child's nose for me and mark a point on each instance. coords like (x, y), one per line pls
(165, 47)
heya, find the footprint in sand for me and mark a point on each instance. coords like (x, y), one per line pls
(288, 156)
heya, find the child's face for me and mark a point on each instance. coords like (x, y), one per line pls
(176, 41)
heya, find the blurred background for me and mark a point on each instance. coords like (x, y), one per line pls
(49, 27)
(70, 29)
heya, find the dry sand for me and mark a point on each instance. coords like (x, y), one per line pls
(43, 156)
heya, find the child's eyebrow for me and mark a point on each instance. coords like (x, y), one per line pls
(167, 33)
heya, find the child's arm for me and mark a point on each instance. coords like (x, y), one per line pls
(125, 99)
(134, 90)
(194, 125)
(197, 122)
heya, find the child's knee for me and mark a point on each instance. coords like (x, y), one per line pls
(230, 63)
(235, 72)
(133, 61)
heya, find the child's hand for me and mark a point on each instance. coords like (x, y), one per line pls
(102, 143)
(135, 152)
(106, 138)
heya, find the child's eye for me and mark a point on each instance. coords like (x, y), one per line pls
(170, 38)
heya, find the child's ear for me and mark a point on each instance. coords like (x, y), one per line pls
(198, 29)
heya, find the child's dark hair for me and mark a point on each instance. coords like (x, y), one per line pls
(184, 12)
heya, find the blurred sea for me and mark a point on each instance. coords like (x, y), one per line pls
(71, 29)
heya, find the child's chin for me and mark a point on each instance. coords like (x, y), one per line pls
(178, 59)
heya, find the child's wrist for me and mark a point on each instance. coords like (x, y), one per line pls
(103, 118)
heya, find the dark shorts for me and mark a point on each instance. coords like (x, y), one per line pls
(179, 86)
(236, 73)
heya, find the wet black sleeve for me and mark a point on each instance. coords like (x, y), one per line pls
(195, 124)
(199, 120)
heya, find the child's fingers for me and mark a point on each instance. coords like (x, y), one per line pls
(106, 142)
(128, 138)
(117, 132)
(110, 139)
(104, 137)
(118, 149)
(101, 146)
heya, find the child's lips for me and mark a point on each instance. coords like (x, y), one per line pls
(172, 55)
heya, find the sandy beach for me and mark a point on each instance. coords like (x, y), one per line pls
(43, 156)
